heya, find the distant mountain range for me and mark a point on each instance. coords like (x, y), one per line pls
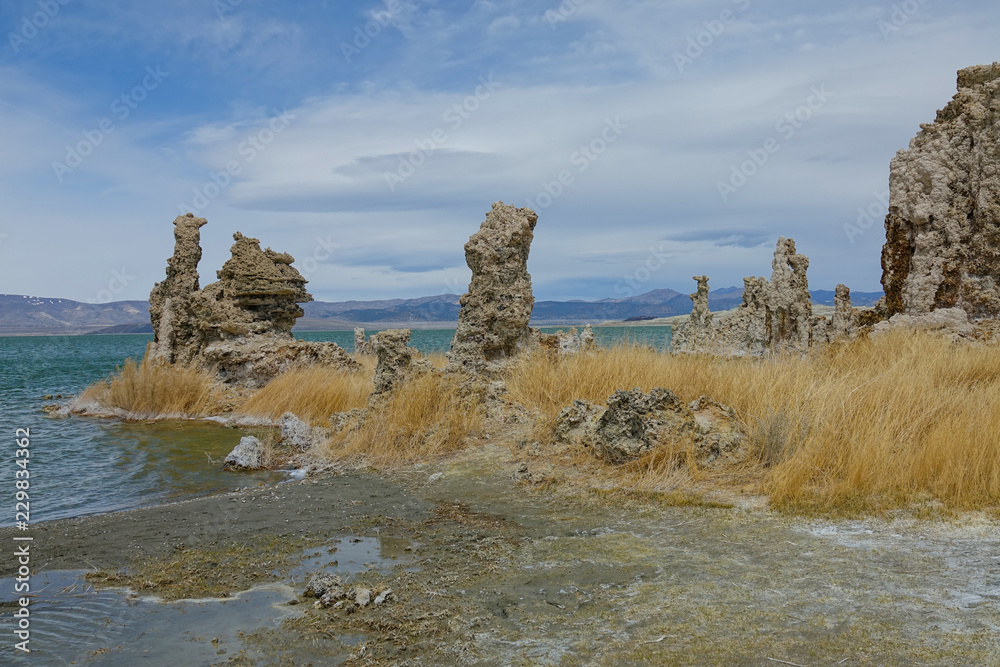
(33, 315)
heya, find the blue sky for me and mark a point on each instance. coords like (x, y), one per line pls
(656, 139)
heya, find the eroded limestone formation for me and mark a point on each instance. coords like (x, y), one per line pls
(257, 293)
(845, 318)
(175, 328)
(494, 314)
(395, 357)
(775, 315)
(239, 327)
(942, 246)
(697, 331)
(361, 344)
(634, 423)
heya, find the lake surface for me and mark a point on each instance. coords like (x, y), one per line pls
(83, 466)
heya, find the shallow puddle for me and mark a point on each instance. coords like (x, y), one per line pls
(71, 621)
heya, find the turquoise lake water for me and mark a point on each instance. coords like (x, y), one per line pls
(82, 466)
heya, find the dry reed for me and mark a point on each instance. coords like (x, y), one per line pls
(869, 424)
(150, 390)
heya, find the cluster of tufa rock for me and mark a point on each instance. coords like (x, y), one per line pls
(240, 327)
(775, 315)
(942, 246)
(565, 342)
(634, 423)
(331, 592)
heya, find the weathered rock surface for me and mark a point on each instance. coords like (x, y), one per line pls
(248, 455)
(175, 332)
(561, 342)
(494, 314)
(257, 293)
(942, 246)
(253, 361)
(298, 434)
(239, 327)
(635, 423)
(696, 333)
(361, 344)
(947, 320)
(395, 358)
(845, 318)
(587, 342)
(776, 315)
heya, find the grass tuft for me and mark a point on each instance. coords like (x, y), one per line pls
(151, 390)
(311, 393)
(426, 417)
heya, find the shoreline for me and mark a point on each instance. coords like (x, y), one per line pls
(502, 572)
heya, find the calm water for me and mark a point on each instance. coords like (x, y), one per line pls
(86, 466)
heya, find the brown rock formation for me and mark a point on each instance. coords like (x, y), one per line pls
(494, 314)
(697, 331)
(775, 315)
(240, 327)
(361, 344)
(258, 292)
(789, 301)
(942, 246)
(175, 331)
(635, 423)
(845, 318)
(394, 358)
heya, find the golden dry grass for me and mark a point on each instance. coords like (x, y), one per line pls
(311, 393)
(424, 418)
(149, 390)
(864, 425)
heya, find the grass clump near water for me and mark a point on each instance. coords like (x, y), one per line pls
(425, 417)
(151, 390)
(311, 393)
(870, 424)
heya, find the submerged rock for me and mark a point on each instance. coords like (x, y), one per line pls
(494, 314)
(942, 246)
(248, 455)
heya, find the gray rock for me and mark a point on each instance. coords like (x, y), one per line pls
(296, 433)
(248, 455)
